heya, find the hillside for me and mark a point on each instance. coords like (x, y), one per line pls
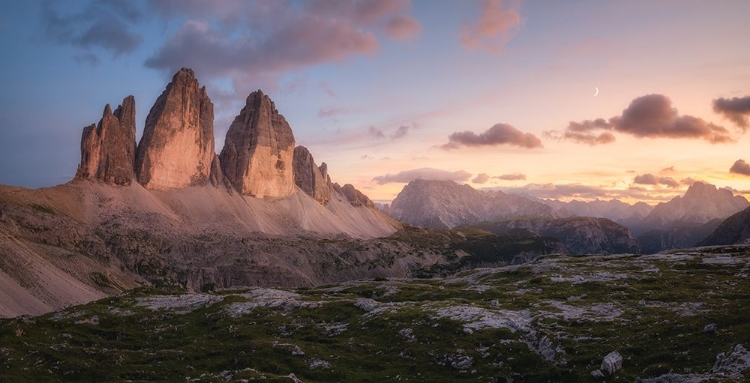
(735, 229)
(558, 319)
(580, 235)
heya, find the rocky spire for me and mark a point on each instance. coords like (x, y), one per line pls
(177, 147)
(258, 150)
(108, 149)
(309, 177)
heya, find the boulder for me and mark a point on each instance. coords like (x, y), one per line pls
(108, 148)
(309, 177)
(177, 147)
(612, 362)
(259, 149)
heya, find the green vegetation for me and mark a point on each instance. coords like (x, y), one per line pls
(552, 319)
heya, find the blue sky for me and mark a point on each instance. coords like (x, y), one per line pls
(377, 88)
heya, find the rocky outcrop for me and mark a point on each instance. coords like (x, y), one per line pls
(259, 149)
(177, 147)
(701, 203)
(446, 204)
(309, 177)
(581, 235)
(355, 197)
(108, 148)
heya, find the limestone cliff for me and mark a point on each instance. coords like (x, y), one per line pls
(177, 147)
(309, 177)
(259, 149)
(108, 148)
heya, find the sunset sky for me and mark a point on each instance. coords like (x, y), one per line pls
(497, 94)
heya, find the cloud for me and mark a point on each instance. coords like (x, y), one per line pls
(481, 178)
(740, 167)
(650, 116)
(735, 109)
(650, 179)
(496, 26)
(402, 28)
(366, 157)
(266, 39)
(375, 132)
(512, 177)
(403, 130)
(332, 112)
(646, 179)
(667, 170)
(496, 135)
(101, 25)
(689, 181)
(423, 174)
(292, 45)
(669, 182)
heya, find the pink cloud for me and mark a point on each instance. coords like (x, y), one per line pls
(512, 177)
(481, 178)
(735, 109)
(650, 116)
(402, 28)
(740, 167)
(496, 25)
(497, 135)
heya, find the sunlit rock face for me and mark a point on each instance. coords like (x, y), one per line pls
(258, 152)
(177, 147)
(309, 177)
(108, 148)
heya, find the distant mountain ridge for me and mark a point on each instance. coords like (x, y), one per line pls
(701, 203)
(621, 212)
(446, 204)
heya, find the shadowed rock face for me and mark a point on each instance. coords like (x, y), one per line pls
(177, 147)
(259, 149)
(355, 197)
(309, 177)
(108, 149)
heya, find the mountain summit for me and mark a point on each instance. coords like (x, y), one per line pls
(701, 203)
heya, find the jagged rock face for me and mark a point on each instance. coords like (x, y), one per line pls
(108, 149)
(701, 203)
(355, 197)
(259, 149)
(309, 177)
(177, 147)
(446, 204)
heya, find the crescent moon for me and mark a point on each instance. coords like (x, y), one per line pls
(597, 91)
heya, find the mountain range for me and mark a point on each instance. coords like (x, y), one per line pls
(679, 223)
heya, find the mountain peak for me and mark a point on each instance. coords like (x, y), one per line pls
(701, 203)
(258, 152)
(177, 147)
